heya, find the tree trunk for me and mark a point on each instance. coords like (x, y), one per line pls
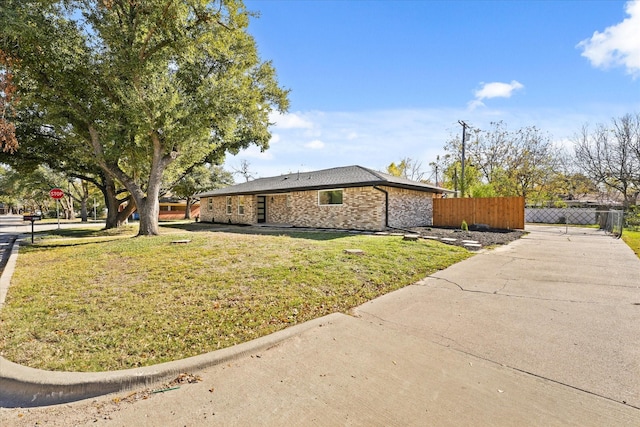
(83, 201)
(187, 211)
(148, 202)
(148, 210)
(83, 210)
(115, 217)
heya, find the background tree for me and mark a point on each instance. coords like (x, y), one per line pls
(64, 153)
(609, 154)
(244, 170)
(8, 141)
(200, 179)
(31, 190)
(452, 176)
(8, 193)
(407, 168)
(143, 85)
(508, 163)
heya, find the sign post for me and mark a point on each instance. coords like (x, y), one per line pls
(57, 194)
(32, 218)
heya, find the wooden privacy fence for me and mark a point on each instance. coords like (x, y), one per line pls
(496, 212)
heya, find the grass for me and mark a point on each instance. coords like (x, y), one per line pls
(87, 300)
(632, 238)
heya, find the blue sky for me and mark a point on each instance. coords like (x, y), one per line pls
(373, 82)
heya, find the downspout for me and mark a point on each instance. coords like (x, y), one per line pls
(386, 205)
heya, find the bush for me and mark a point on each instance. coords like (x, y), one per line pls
(632, 217)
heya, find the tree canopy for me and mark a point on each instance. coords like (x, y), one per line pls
(505, 163)
(142, 90)
(407, 168)
(610, 155)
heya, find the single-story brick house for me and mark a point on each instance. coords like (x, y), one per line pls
(350, 197)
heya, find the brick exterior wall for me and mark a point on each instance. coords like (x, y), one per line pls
(410, 208)
(362, 208)
(277, 211)
(219, 211)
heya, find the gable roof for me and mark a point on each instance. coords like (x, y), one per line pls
(340, 177)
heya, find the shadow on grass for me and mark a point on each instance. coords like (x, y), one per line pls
(43, 245)
(295, 233)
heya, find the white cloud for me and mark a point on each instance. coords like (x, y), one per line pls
(494, 90)
(475, 104)
(289, 121)
(275, 138)
(618, 45)
(316, 144)
(497, 90)
(352, 135)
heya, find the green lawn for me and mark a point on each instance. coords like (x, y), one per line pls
(632, 238)
(89, 300)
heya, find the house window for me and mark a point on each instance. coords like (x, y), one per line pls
(210, 203)
(330, 197)
(240, 205)
(228, 205)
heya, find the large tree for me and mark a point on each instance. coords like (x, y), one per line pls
(144, 86)
(40, 145)
(8, 141)
(512, 163)
(610, 155)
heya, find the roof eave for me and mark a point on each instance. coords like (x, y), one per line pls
(437, 190)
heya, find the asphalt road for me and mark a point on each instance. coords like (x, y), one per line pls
(12, 226)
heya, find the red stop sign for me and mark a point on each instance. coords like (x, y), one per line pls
(56, 193)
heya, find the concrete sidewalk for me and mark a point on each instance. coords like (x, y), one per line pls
(540, 332)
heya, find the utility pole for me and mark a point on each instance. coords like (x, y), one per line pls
(436, 165)
(464, 140)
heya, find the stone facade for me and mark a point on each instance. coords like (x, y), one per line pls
(362, 208)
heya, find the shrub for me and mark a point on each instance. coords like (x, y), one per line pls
(632, 217)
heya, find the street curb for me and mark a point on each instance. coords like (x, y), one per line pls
(21, 386)
(7, 272)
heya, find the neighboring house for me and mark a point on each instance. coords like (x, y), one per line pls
(174, 209)
(170, 209)
(350, 197)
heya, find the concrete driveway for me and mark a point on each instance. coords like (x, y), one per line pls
(541, 332)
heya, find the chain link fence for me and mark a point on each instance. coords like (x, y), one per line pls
(612, 221)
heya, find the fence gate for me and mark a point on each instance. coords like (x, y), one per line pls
(611, 221)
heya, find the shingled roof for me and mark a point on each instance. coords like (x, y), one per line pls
(340, 177)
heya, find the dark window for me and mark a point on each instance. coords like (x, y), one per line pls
(330, 197)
